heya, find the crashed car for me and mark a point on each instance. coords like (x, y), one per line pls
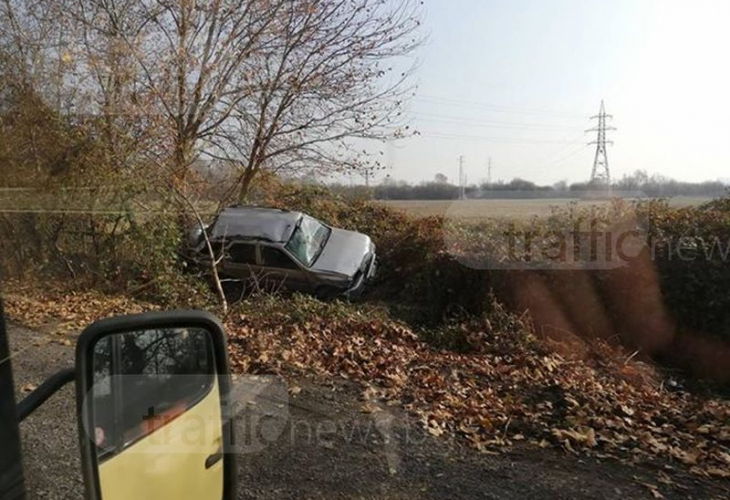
(284, 249)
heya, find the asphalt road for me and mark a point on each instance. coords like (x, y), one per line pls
(322, 442)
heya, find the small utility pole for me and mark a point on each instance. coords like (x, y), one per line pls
(489, 171)
(462, 190)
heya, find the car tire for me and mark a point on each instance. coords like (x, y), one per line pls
(234, 290)
(327, 293)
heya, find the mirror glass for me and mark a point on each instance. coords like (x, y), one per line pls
(154, 413)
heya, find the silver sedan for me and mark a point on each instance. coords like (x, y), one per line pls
(283, 249)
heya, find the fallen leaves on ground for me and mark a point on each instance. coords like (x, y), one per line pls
(510, 389)
(492, 398)
(62, 311)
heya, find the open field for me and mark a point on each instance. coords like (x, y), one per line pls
(19, 200)
(519, 209)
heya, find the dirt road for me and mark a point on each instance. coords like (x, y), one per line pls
(327, 444)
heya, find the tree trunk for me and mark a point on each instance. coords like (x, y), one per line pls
(251, 169)
(182, 160)
(245, 186)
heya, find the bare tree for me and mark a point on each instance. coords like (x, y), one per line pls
(108, 33)
(55, 87)
(325, 79)
(276, 84)
(195, 59)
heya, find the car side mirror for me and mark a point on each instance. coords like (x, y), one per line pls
(152, 392)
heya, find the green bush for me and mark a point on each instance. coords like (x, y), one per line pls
(421, 277)
(691, 250)
(107, 252)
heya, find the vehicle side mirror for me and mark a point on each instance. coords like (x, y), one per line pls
(152, 393)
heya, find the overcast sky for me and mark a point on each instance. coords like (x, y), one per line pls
(517, 80)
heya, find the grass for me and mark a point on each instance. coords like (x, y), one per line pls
(472, 210)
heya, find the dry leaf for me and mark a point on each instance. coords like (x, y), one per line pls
(507, 383)
(435, 431)
(370, 408)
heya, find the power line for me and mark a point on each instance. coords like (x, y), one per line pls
(558, 155)
(566, 157)
(497, 108)
(503, 140)
(450, 119)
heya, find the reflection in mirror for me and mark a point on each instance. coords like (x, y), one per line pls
(155, 400)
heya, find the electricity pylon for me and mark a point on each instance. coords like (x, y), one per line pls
(601, 173)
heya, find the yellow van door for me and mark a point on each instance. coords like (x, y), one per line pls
(178, 457)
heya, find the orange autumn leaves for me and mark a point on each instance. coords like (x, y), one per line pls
(511, 389)
(507, 387)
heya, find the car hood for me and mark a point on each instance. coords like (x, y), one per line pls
(344, 252)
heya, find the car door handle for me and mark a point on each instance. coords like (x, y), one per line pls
(213, 459)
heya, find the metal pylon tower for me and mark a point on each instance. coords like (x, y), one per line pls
(601, 173)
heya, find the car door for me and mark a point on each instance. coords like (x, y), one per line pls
(280, 270)
(240, 261)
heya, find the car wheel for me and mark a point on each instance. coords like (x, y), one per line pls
(327, 292)
(234, 290)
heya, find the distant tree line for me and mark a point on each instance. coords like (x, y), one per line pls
(639, 184)
(657, 185)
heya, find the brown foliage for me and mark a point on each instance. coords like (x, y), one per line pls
(508, 388)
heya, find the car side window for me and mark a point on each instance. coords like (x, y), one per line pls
(273, 257)
(217, 246)
(243, 253)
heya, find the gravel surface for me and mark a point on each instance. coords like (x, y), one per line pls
(322, 442)
(49, 438)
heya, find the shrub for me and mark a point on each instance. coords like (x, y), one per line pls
(109, 253)
(691, 250)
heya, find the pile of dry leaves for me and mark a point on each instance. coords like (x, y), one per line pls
(509, 388)
(609, 404)
(57, 310)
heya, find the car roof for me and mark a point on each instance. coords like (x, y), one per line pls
(255, 223)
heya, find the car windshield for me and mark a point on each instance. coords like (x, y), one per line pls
(307, 240)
